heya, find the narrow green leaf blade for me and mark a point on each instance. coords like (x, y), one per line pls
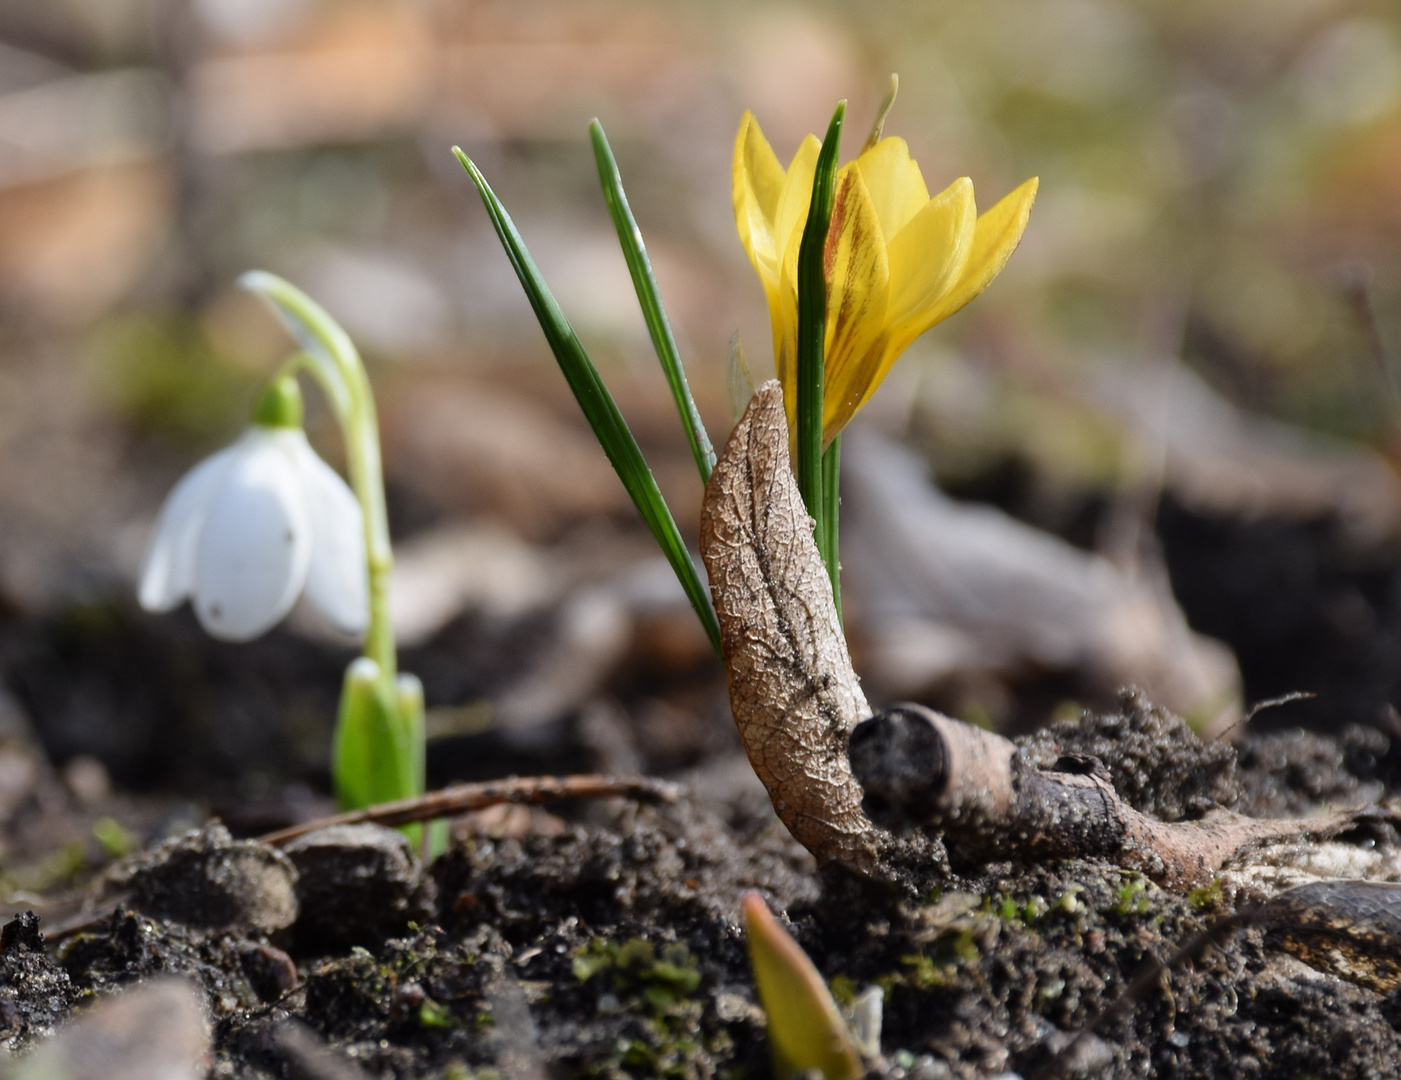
(597, 404)
(812, 323)
(831, 504)
(650, 298)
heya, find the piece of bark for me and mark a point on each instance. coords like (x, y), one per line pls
(793, 691)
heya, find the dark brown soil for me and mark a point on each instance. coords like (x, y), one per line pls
(603, 939)
(610, 947)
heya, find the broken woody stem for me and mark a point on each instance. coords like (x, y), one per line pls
(976, 788)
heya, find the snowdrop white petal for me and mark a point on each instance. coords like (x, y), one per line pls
(168, 576)
(255, 543)
(337, 582)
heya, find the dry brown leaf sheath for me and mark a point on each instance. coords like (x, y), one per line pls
(793, 691)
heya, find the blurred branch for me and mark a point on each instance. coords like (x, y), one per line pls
(78, 121)
(49, 38)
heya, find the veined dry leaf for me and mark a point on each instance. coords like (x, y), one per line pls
(793, 692)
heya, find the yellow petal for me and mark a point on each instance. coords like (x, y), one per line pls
(998, 233)
(927, 259)
(858, 286)
(791, 216)
(989, 244)
(895, 183)
(783, 321)
(928, 255)
(757, 182)
(783, 317)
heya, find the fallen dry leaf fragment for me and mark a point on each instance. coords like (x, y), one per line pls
(1221, 459)
(951, 590)
(793, 691)
(795, 698)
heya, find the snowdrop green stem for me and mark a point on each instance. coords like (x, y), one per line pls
(378, 751)
(329, 356)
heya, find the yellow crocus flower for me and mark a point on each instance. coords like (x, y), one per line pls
(896, 260)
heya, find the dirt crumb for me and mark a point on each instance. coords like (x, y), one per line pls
(1156, 762)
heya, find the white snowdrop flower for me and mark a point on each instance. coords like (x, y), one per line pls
(247, 530)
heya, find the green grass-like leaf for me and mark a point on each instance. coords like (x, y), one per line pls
(812, 325)
(597, 403)
(831, 503)
(650, 298)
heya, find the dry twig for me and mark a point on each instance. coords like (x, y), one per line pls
(464, 798)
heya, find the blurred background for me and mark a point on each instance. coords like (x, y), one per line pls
(1158, 451)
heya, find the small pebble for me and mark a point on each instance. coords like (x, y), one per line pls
(154, 1031)
(269, 970)
(209, 880)
(1088, 1055)
(356, 885)
(87, 779)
